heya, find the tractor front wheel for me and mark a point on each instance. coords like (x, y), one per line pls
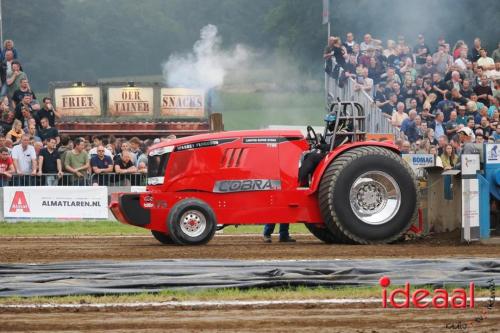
(191, 222)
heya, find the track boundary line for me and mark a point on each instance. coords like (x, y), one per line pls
(203, 304)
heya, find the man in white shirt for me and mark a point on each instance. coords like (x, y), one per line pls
(486, 63)
(24, 157)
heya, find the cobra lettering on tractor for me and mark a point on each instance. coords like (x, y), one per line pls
(226, 186)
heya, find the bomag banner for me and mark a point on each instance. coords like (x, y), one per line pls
(78, 101)
(65, 202)
(181, 102)
(130, 101)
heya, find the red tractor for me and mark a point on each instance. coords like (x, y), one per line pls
(343, 188)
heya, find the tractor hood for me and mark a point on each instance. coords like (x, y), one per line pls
(202, 138)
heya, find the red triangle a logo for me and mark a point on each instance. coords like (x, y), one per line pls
(19, 202)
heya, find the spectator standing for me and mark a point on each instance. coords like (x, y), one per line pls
(455, 81)
(135, 149)
(102, 166)
(77, 162)
(284, 233)
(462, 61)
(47, 132)
(446, 106)
(98, 141)
(24, 157)
(496, 54)
(48, 111)
(449, 158)
(421, 50)
(364, 83)
(6, 116)
(409, 126)
(49, 163)
(399, 116)
(349, 43)
(427, 117)
(16, 133)
(6, 167)
(483, 91)
(366, 43)
(431, 137)
(33, 134)
(20, 107)
(452, 125)
(466, 89)
(439, 87)
(428, 68)
(462, 117)
(442, 59)
(486, 63)
(14, 80)
(496, 135)
(124, 167)
(8, 46)
(390, 107)
(24, 89)
(438, 125)
(475, 53)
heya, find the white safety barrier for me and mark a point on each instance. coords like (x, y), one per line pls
(53, 202)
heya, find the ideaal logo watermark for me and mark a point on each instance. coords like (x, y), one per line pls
(440, 298)
(459, 298)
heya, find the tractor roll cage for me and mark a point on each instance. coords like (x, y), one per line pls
(349, 115)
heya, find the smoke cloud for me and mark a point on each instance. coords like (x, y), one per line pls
(207, 65)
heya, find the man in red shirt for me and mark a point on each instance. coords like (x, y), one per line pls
(6, 167)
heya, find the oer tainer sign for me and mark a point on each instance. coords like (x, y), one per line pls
(74, 202)
(130, 101)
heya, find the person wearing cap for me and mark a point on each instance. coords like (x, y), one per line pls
(465, 135)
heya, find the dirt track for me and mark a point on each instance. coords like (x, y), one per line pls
(367, 318)
(32, 249)
(292, 318)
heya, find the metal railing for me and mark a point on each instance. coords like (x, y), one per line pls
(376, 121)
(68, 179)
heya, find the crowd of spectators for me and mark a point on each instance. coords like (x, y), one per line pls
(429, 92)
(79, 161)
(33, 153)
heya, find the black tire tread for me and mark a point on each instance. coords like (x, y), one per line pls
(327, 184)
(323, 234)
(162, 237)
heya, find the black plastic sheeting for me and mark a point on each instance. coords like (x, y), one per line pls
(104, 277)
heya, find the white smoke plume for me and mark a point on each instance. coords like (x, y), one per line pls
(205, 67)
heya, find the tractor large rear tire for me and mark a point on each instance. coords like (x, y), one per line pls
(368, 195)
(323, 234)
(191, 222)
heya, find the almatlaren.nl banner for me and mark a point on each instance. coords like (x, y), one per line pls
(71, 202)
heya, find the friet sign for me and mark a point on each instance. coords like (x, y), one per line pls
(130, 101)
(181, 102)
(78, 101)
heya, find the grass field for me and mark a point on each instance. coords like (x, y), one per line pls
(225, 294)
(254, 110)
(106, 228)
